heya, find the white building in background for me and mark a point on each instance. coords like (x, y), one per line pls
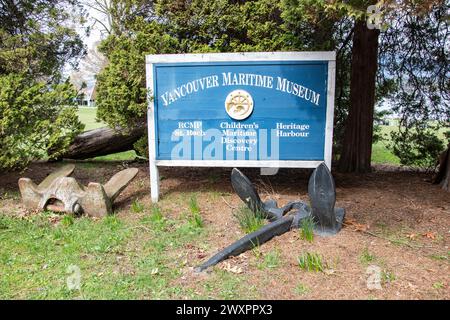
(88, 96)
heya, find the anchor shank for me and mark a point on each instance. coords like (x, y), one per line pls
(250, 241)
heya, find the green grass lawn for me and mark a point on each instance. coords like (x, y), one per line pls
(87, 115)
(113, 258)
(380, 151)
(140, 254)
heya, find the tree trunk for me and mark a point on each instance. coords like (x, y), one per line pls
(357, 143)
(103, 141)
(443, 175)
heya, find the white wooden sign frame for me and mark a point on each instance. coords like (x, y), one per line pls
(329, 56)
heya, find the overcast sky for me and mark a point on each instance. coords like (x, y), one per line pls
(95, 34)
(92, 39)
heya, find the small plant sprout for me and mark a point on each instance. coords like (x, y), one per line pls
(387, 276)
(301, 289)
(307, 229)
(137, 207)
(195, 219)
(311, 261)
(257, 251)
(438, 285)
(193, 204)
(366, 257)
(248, 220)
(67, 220)
(156, 215)
(271, 260)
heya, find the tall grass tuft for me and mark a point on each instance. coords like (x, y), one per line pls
(248, 220)
(307, 229)
(311, 261)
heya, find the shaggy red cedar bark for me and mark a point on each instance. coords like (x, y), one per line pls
(357, 143)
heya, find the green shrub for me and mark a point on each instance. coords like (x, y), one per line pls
(141, 146)
(37, 121)
(418, 147)
(195, 219)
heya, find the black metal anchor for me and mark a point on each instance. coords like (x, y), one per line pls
(322, 194)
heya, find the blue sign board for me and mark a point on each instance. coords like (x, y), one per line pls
(240, 109)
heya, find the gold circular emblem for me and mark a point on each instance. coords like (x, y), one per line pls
(239, 104)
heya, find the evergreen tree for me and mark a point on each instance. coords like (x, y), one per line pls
(36, 117)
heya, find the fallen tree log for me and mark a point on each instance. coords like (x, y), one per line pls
(103, 141)
(443, 175)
